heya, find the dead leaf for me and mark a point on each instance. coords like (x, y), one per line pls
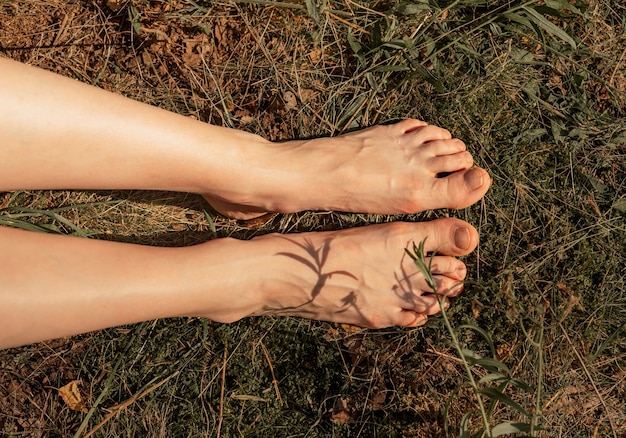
(5, 200)
(246, 120)
(291, 103)
(351, 328)
(315, 55)
(341, 411)
(72, 397)
(504, 351)
(258, 222)
(378, 399)
(332, 334)
(179, 227)
(191, 58)
(307, 95)
(477, 306)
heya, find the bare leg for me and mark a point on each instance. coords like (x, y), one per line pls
(55, 286)
(81, 137)
(58, 133)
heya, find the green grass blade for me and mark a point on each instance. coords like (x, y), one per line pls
(501, 397)
(24, 225)
(509, 428)
(564, 4)
(549, 26)
(209, 219)
(606, 343)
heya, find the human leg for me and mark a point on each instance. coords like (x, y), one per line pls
(58, 133)
(54, 286)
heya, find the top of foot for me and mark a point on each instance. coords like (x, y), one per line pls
(401, 168)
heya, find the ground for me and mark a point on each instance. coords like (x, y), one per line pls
(537, 91)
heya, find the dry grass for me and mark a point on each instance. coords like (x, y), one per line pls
(548, 281)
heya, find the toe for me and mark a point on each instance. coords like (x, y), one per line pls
(409, 125)
(429, 133)
(447, 236)
(447, 272)
(409, 318)
(448, 267)
(447, 286)
(430, 305)
(461, 189)
(451, 163)
(450, 236)
(444, 286)
(440, 148)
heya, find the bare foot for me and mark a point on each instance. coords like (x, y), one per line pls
(360, 276)
(406, 167)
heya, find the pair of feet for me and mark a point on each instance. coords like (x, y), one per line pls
(363, 276)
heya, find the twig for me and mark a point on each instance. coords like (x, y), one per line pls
(117, 409)
(588, 374)
(347, 23)
(274, 381)
(219, 424)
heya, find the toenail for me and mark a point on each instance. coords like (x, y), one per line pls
(462, 238)
(474, 179)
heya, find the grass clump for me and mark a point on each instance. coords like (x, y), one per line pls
(497, 372)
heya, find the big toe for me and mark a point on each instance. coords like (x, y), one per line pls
(461, 189)
(450, 236)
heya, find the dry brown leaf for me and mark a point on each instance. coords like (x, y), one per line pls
(341, 411)
(291, 103)
(179, 227)
(258, 222)
(378, 399)
(315, 55)
(477, 306)
(504, 351)
(247, 120)
(307, 95)
(349, 328)
(72, 397)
